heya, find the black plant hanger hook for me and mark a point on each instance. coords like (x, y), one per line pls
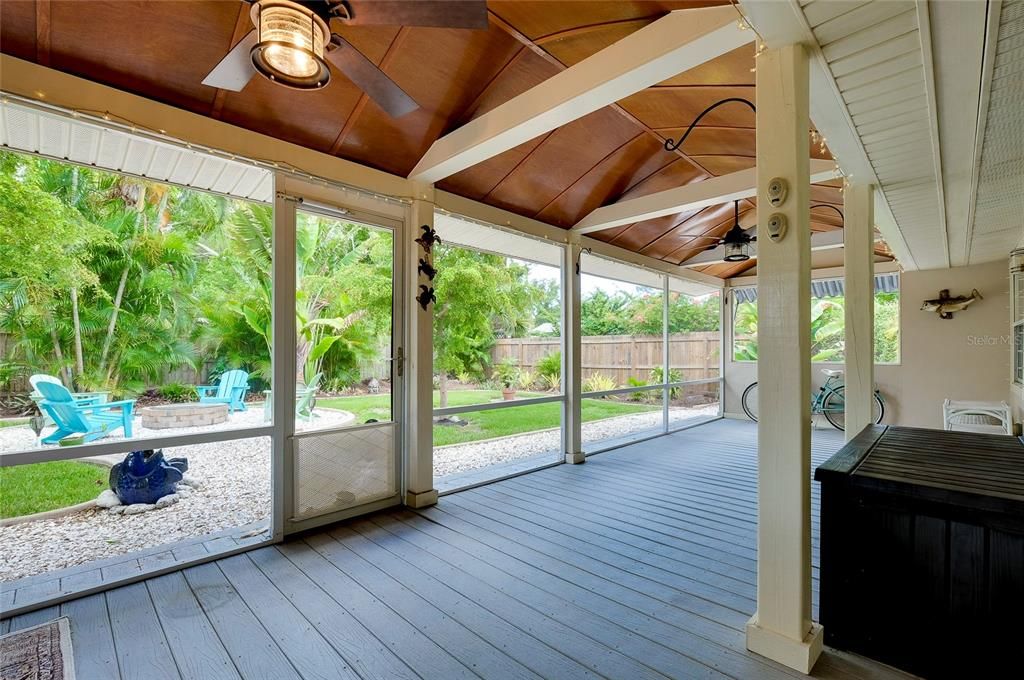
(672, 146)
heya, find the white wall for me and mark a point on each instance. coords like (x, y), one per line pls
(966, 357)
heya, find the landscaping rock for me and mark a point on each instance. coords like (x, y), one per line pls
(108, 499)
(136, 508)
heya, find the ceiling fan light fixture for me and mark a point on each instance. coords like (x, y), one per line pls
(736, 252)
(290, 44)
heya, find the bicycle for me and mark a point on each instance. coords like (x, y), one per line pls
(830, 401)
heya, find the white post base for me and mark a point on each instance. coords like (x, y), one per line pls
(800, 655)
(422, 499)
(574, 458)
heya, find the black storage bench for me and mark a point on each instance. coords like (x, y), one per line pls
(922, 551)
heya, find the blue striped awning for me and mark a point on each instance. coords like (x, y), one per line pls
(820, 288)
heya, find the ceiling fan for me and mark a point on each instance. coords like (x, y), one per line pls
(736, 241)
(293, 40)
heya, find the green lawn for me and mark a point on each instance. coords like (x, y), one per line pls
(25, 489)
(487, 424)
(13, 423)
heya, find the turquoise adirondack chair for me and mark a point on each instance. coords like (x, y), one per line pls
(81, 398)
(307, 399)
(90, 420)
(231, 391)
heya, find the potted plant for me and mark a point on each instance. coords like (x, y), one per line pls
(508, 374)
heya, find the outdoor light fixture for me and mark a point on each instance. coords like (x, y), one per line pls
(290, 44)
(736, 240)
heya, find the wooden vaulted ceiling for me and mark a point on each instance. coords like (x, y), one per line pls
(163, 50)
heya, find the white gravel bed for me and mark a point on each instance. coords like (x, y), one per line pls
(234, 490)
(462, 457)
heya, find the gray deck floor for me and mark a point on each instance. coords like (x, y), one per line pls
(638, 564)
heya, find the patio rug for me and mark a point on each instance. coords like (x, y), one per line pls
(41, 652)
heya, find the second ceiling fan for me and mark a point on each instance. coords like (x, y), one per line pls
(293, 43)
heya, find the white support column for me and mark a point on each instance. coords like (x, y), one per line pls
(282, 362)
(859, 266)
(419, 352)
(572, 433)
(782, 629)
(666, 358)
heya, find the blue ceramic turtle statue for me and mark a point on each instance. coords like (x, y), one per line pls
(145, 477)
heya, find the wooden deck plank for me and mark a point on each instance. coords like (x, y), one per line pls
(367, 655)
(142, 648)
(530, 651)
(669, 572)
(194, 644)
(310, 654)
(641, 612)
(92, 637)
(618, 629)
(407, 642)
(474, 651)
(530, 614)
(253, 651)
(34, 618)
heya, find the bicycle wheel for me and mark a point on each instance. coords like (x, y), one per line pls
(834, 408)
(750, 401)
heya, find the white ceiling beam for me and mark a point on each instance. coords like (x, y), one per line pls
(677, 42)
(694, 196)
(783, 23)
(820, 240)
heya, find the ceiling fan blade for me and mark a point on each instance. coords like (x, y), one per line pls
(439, 13)
(235, 70)
(370, 79)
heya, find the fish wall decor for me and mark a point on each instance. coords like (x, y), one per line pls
(945, 304)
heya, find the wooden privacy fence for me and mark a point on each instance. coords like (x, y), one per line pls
(621, 357)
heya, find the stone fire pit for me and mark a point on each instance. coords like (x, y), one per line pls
(183, 415)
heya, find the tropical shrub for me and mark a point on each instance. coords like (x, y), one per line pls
(526, 379)
(177, 393)
(645, 395)
(550, 365)
(551, 383)
(674, 375)
(599, 382)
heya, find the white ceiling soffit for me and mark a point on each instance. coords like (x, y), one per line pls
(873, 98)
(998, 219)
(454, 230)
(58, 136)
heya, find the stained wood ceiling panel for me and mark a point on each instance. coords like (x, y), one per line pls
(707, 140)
(539, 18)
(673, 175)
(672, 107)
(607, 181)
(152, 48)
(477, 181)
(524, 70)
(565, 155)
(573, 46)
(732, 68)
(18, 26)
(442, 80)
(660, 236)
